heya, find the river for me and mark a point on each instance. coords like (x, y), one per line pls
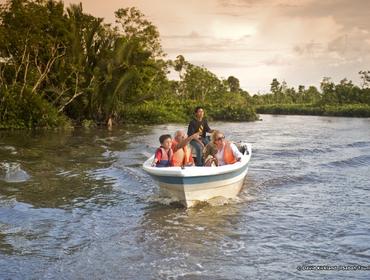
(77, 205)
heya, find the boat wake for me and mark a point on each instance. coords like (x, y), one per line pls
(164, 200)
(174, 202)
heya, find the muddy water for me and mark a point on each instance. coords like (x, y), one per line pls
(77, 205)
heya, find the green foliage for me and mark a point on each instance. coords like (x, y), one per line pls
(134, 25)
(75, 63)
(233, 84)
(200, 84)
(181, 111)
(343, 99)
(153, 112)
(347, 110)
(28, 112)
(233, 113)
(88, 124)
(69, 65)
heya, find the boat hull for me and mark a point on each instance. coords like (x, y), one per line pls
(190, 192)
(191, 185)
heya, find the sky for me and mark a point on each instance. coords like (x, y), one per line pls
(298, 41)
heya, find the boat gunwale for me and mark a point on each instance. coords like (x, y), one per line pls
(195, 171)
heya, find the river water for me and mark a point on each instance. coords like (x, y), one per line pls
(77, 205)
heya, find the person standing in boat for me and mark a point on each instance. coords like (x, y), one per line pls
(227, 152)
(199, 125)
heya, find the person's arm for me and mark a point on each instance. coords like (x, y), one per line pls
(237, 154)
(157, 157)
(186, 141)
(207, 128)
(191, 128)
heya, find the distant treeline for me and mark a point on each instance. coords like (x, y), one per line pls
(343, 99)
(61, 67)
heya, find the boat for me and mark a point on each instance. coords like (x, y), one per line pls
(193, 184)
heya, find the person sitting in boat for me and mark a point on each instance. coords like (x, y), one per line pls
(227, 152)
(199, 124)
(164, 154)
(209, 157)
(182, 155)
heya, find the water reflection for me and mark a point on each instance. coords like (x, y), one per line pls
(5, 247)
(58, 164)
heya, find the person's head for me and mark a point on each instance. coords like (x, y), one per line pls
(210, 149)
(199, 112)
(165, 141)
(218, 138)
(180, 135)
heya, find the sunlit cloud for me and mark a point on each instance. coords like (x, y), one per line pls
(258, 40)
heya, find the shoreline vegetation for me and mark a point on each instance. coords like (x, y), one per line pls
(69, 68)
(347, 110)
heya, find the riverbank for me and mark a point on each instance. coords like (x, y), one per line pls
(181, 111)
(176, 111)
(348, 110)
(150, 112)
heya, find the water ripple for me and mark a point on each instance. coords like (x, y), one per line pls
(363, 160)
(89, 210)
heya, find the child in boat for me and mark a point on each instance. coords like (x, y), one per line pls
(164, 154)
(210, 152)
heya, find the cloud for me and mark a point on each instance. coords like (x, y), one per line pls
(190, 36)
(311, 49)
(278, 60)
(194, 42)
(349, 14)
(257, 40)
(352, 44)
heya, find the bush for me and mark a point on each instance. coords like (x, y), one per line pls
(152, 113)
(28, 111)
(233, 113)
(181, 111)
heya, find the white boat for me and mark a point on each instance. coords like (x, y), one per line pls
(190, 185)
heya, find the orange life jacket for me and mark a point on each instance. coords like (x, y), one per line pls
(229, 157)
(181, 156)
(166, 157)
